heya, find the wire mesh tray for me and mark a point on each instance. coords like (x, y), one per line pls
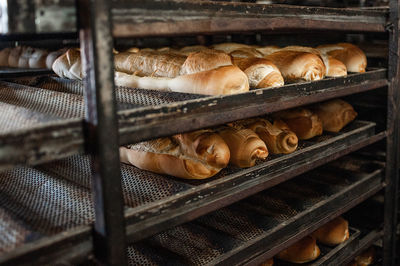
(329, 255)
(260, 222)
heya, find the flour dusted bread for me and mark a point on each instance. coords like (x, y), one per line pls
(38, 59)
(261, 72)
(296, 65)
(305, 250)
(196, 155)
(334, 114)
(304, 123)
(350, 55)
(149, 63)
(69, 65)
(278, 137)
(220, 81)
(52, 56)
(244, 145)
(333, 233)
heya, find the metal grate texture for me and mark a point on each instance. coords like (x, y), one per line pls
(205, 239)
(28, 102)
(35, 204)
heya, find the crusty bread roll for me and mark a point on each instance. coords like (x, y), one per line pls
(204, 60)
(244, 145)
(69, 65)
(304, 123)
(228, 47)
(196, 155)
(334, 68)
(149, 63)
(52, 56)
(333, 233)
(38, 59)
(23, 61)
(295, 65)
(133, 50)
(266, 50)
(334, 114)
(15, 53)
(301, 252)
(349, 54)
(4, 54)
(190, 49)
(261, 72)
(278, 138)
(220, 81)
(366, 257)
(269, 262)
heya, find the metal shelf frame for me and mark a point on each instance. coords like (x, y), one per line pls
(98, 134)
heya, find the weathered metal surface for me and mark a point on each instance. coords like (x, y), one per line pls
(208, 196)
(155, 121)
(102, 131)
(155, 18)
(392, 143)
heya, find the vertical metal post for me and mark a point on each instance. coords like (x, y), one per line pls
(392, 153)
(102, 130)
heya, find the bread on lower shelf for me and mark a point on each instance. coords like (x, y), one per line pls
(366, 258)
(333, 233)
(334, 114)
(304, 123)
(196, 155)
(303, 251)
(245, 146)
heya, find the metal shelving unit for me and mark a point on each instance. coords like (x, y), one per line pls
(109, 118)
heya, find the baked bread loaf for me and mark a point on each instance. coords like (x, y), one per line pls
(244, 145)
(15, 54)
(366, 257)
(69, 65)
(52, 56)
(349, 54)
(246, 52)
(196, 155)
(334, 68)
(23, 61)
(278, 137)
(333, 233)
(301, 252)
(133, 50)
(269, 262)
(4, 54)
(334, 114)
(190, 49)
(261, 72)
(228, 47)
(304, 123)
(296, 65)
(38, 59)
(220, 81)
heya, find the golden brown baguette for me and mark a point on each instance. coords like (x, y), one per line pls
(295, 65)
(278, 137)
(220, 81)
(304, 123)
(4, 54)
(302, 251)
(334, 68)
(244, 145)
(149, 63)
(269, 262)
(69, 65)
(334, 114)
(261, 72)
(349, 54)
(229, 47)
(333, 233)
(196, 155)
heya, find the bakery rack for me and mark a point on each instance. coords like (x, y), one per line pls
(95, 121)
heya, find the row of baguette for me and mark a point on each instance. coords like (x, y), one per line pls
(203, 153)
(225, 68)
(331, 234)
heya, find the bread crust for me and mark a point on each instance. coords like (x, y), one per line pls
(303, 251)
(333, 233)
